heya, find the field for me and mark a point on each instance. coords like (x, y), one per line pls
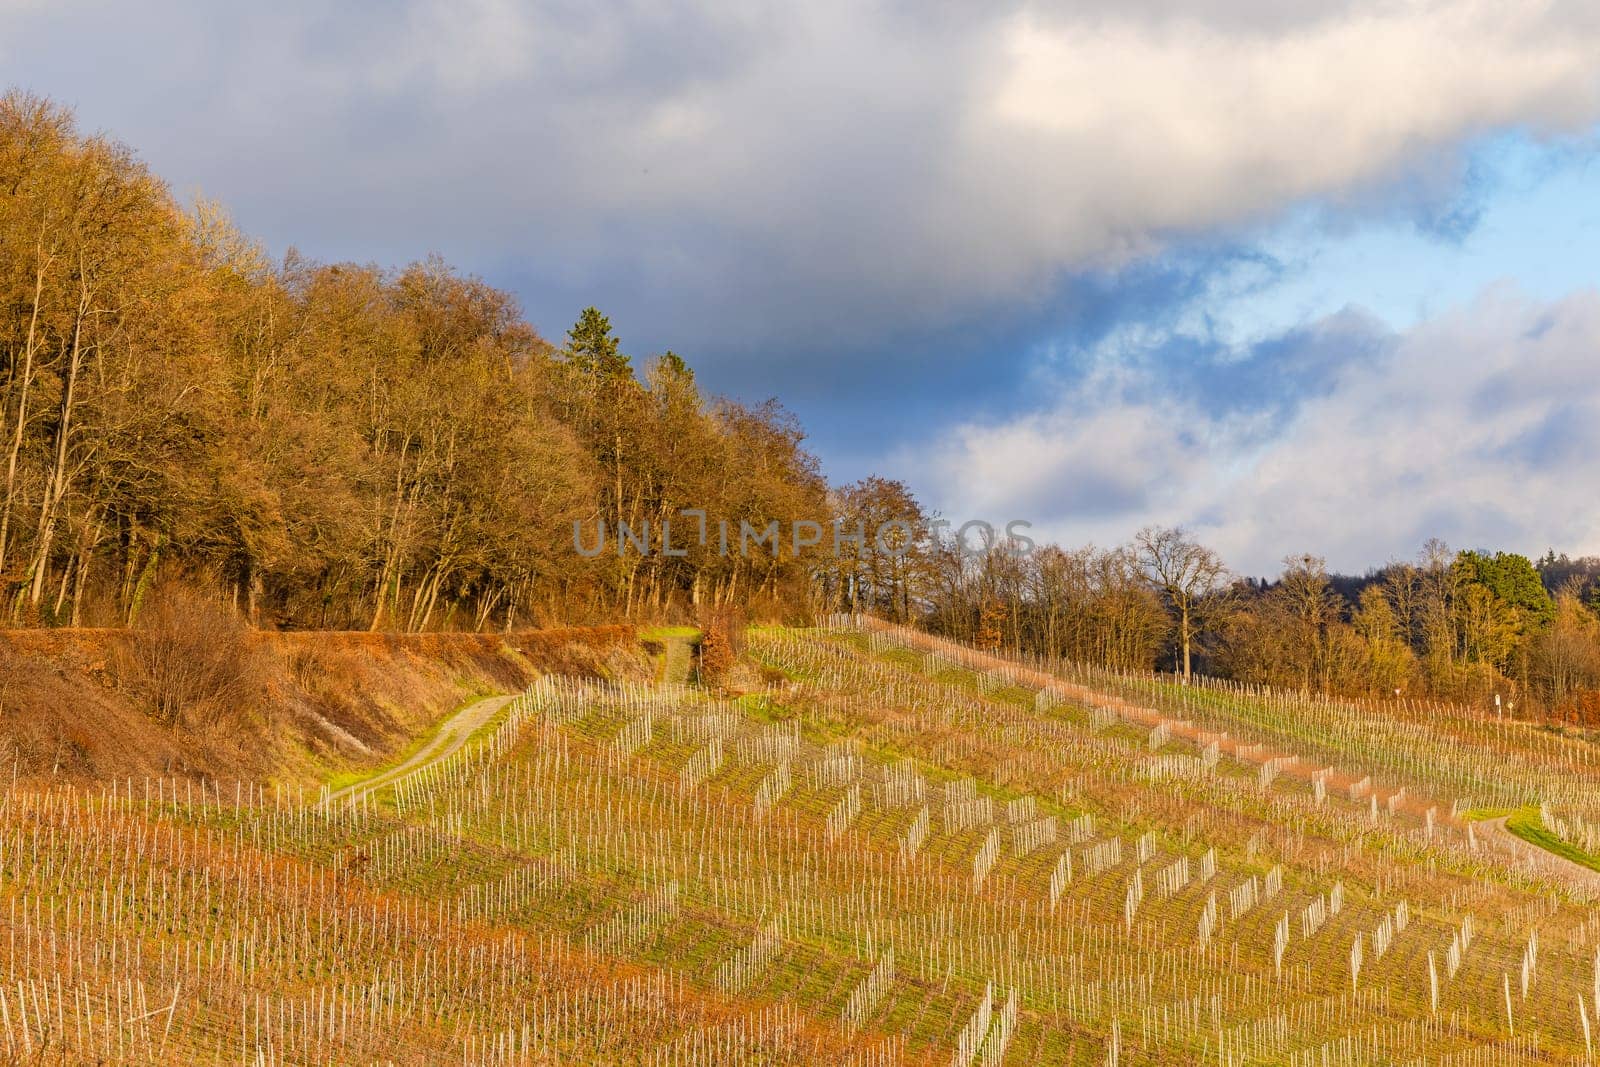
(896, 850)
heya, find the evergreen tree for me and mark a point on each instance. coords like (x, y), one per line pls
(1512, 579)
(593, 349)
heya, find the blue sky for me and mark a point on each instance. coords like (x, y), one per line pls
(1313, 277)
(1524, 210)
(1261, 352)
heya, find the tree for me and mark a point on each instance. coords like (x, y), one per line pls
(991, 616)
(1566, 655)
(593, 349)
(1577, 577)
(1190, 576)
(607, 408)
(1389, 657)
(1312, 610)
(1437, 586)
(720, 647)
(332, 445)
(1512, 579)
(881, 547)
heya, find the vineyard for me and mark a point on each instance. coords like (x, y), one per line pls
(895, 850)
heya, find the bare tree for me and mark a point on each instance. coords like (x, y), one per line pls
(1188, 574)
(1312, 610)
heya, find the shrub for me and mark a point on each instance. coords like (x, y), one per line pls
(721, 645)
(189, 657)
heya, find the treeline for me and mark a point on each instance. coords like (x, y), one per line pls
(1468, 626)
(1472, 626)
(332, 445)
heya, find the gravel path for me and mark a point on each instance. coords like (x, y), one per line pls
(444, 744)
(1493, 834)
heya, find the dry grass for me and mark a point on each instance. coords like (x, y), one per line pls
(96, 704)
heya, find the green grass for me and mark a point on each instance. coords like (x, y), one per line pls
(765, 709)
(1480, 814)
(690, 634)
(672, 650)
(1525, 823)
(762, 708)
(345, 779)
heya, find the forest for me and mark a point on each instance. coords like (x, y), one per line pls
(331, 445)
(348, 446)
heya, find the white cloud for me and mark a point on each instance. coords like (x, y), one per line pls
(1114, 131)
(1476, 426)
(834, 167)
(1089, 456)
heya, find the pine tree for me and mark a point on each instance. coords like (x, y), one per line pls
(593, 349)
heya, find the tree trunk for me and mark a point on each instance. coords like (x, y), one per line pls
(61, 589)
(389, 572)
(1184, 630)
(30, 346)
(56, 479)
(80, 583)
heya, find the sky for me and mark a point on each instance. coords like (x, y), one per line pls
(1313, 278)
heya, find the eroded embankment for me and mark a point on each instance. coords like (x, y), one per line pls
(90, 704)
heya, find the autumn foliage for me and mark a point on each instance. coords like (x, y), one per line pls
(335, 446)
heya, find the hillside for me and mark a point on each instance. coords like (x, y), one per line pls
(86, 704)
(896, 850)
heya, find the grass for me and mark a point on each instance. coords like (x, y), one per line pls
(345, 779)
(674, 658)
(1526, 823)
(691, 634)
(436, 928)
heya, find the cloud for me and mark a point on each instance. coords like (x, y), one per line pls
(1090, 463)
(466, 47)
(1463, 432)
(831, 170)
(1472, 427)
(1175, 125)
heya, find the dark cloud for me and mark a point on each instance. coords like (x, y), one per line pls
(1279, 374)
(815, 177)
(1565, 437)
(1361, 444)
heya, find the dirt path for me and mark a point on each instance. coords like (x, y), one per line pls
(444, 744)
(678, 661)
(1497, 838)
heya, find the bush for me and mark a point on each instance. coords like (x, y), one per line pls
(721, 645)
(189, 657)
